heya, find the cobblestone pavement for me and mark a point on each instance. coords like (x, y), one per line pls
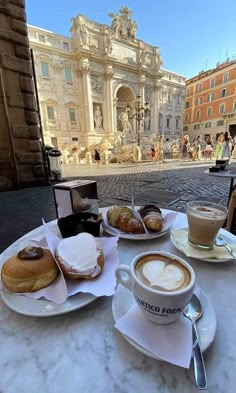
(171, 185)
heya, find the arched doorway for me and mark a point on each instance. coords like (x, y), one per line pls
(124, 95)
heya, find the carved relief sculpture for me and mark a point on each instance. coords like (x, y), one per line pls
(96, 85)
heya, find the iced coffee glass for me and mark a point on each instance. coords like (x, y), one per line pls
(204, 222)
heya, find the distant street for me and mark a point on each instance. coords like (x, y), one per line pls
(170, 185)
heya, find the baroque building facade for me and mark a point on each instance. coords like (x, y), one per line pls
(85, 82)
(210, 103)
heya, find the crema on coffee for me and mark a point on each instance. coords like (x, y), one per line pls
(162, 273)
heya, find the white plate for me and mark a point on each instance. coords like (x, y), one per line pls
(138, 236)
(123, 300)
(45, 308)
(211, 260)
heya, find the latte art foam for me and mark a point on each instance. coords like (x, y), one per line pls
(162, 273)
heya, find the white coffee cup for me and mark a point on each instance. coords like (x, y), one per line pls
(162, 284)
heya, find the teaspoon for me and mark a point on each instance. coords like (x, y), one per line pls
(193, 311)
(221, 242)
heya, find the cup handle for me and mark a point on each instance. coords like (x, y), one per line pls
(126, 282)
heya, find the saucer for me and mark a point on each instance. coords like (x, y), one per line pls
(211, 260)
(123, 300)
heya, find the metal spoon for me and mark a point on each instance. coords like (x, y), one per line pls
(221, 242)
(193, 311)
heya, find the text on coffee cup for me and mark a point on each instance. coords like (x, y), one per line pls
(156, 310)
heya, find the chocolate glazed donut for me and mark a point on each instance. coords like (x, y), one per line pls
(33, 268)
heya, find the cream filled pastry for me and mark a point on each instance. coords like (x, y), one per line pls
(162, 274)
(80, 256)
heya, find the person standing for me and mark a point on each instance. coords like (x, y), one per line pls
(219, 146)
(185, 143)
(160, 149)
(226, 151)
(209, 147)
(153, 152)
(97, 155)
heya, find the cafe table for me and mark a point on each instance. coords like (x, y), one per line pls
(81, 351)
(230, 174)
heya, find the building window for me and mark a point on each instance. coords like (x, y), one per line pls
(75, 139)
(169, 97)
(50, 113)
(177, 124)
(198, 113)
(210, 97)
(221, 108)
(186, 116)
(225, 77)
(42, 38)
(208, 124)
(199, 101)
(45, 69)
(187, 104)
(200, 88)
(209, 111)
(169, 77)
(168, 123)
(212, 83)
(66, 45)
(72, 114)
(185, 128)
(187, 93)
(68, 74)
(196, 126)
(178, 98)
(220, 123)
(223, 93)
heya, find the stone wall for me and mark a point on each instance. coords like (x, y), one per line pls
(21, 158)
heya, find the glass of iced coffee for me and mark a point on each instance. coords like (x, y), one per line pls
(204, 222)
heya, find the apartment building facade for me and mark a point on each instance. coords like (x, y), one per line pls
(85, 82)
(210, 102)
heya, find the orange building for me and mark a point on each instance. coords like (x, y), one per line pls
(210, 103)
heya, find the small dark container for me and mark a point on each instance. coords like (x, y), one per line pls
(214, 169)
(223, 164)
(77, 223)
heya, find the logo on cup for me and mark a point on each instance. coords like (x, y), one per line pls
(153, 309)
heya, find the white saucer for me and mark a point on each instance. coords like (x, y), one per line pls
(42, 307)
(211, 260)
(123, 300)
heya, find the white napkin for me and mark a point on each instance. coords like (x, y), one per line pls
(171, 343)
(180, 236)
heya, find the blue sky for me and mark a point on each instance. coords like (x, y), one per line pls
(191, 35)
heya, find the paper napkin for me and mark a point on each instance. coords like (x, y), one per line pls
(172, 343)
(180, 236)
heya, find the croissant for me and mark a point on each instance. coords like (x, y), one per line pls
(152, 218)
(121, 217)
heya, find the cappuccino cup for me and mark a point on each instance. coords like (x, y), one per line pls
(162, 284)
(204, 222)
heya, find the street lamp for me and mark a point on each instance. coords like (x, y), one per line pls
(140, 113)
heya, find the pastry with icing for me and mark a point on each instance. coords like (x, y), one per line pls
(33, 268)
(80, 256)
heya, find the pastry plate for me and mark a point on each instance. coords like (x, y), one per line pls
(123, 300)
(45, 308)
(210, 260)
(168, 220)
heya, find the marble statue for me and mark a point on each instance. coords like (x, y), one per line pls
(98, 117)
(122, 25)
(127, 133)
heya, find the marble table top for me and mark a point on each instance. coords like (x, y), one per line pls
(81, 351)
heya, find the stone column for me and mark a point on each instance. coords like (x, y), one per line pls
(155, 108)
(87, 105)
(140, 125)
(21, 158)
(109, 112)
